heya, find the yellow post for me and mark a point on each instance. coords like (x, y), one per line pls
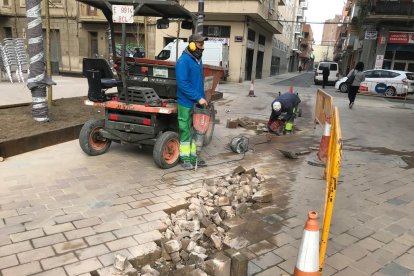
(48, 64)
(334, 159)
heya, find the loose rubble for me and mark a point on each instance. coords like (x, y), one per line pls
(195, 236)
(195, 240)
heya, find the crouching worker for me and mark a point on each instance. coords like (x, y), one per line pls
(284, 109)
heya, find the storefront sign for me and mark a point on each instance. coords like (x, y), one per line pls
(250, 44)
(261, 48)
(378, 62)
(371, 34)
(401, 38)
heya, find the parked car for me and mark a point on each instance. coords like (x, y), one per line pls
(387, 82)
(333, 72)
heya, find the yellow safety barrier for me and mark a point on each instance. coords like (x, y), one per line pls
(324, 106)
(333, 166)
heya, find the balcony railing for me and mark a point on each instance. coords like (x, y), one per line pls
(304, 5)
(299, 14)
(393, 8)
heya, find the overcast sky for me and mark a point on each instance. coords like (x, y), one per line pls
(319, 11)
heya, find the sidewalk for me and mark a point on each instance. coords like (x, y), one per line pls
(65, 213)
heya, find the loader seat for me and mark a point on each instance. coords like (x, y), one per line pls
(100, 78)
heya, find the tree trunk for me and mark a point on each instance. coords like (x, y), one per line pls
(37, 81)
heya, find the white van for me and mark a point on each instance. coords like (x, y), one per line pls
(333, 72)
(215, 53)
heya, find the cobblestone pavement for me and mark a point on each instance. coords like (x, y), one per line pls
(65, 213)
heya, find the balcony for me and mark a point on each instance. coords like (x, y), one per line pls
(304, 5)
(299, 14)
(230, 10)
(391, 10)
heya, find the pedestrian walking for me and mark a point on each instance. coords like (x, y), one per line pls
(355, 77)
(190, 91)
(325, 75)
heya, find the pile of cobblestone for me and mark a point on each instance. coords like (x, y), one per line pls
(197, 233)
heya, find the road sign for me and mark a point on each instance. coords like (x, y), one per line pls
(379, 61)
(380, 88)
(371, 34)
(123, 14)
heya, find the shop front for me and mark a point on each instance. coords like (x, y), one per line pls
(399, 52)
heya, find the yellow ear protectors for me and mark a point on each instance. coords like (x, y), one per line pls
(192, 46)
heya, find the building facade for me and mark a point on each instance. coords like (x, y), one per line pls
(263, 35)
(306, 49)
(380, 33)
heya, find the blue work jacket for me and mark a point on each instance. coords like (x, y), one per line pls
(190, 80)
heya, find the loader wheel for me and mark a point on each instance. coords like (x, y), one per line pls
(91, 141)
(210, 131)
(166, 151)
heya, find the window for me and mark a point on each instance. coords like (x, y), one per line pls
(6, 3)
(91, 11)
(369, 74)
(251, 35)
(388, 74)
(262, 40)
(8, 31)
(216, 31)
(333, 67)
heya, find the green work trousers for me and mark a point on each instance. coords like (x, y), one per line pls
(188, 149)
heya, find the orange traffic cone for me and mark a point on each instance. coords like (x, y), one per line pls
(307, 262)
(291, 89)
(324, 146)
(251, 91)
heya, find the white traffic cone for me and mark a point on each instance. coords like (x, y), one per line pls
(251, 90)
(307, 263)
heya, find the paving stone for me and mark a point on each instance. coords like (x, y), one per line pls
(35, 254)
(155, 216)
(261, 247)
(142, 249)
(267, 260)
(158, 207)
(328, 270)
(349, 271)
(108, 259)
(84, 266)
(368, 265)
(345, 239)
(281, 239)
(48, 240)
(92, 251)
(406, 260)
(79, 233)
(58, 261)
(142, 196)
(148, 237)
(27, 235)
(394, 269)
(127, 231)
(50, 230)
(140, 203)
(12, 229)
(152, 225)
(107, 226)
(87, 222)
(121, 243)
(53, 272)
(69, 246)
(338, 261)
(370, 244)
(406, 239)
(22, 270)
(383, 236)
(8, 261)
(100, 238)
(354, 252)
(396, 247)
(396, 229)
(272, 272)
(15, 248)
(360, 232)
(288, 265)
(123, 200)
(286, 251)
(8, 213)
(68, 218)
(252, 269)
(19, 219)
(136, 212)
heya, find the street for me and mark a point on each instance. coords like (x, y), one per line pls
(66, 213)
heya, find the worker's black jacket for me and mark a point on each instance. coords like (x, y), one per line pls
(288, 102)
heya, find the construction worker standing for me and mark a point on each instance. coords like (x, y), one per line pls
(190, 91)
(286, 104)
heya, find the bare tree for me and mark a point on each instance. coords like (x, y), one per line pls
(37, 80)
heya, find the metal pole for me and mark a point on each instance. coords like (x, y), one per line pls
(146, 37)
(123, 50)
(48, 64)
(200, 17)
(177, 40)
